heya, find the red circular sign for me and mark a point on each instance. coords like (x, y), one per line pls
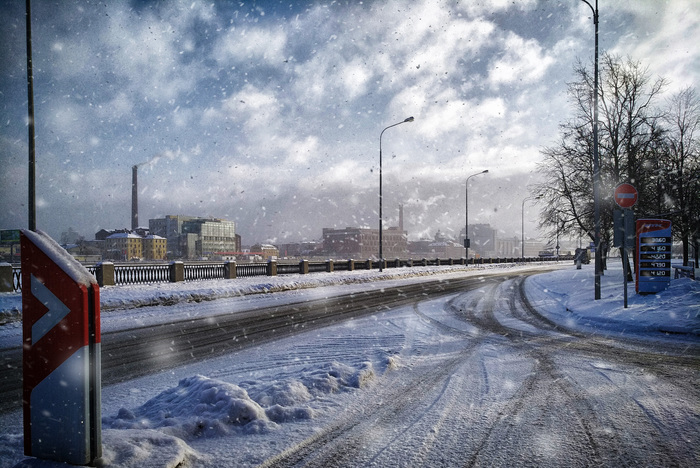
(626, 195)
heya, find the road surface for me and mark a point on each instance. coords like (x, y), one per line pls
(139, 350)
(496, 384)
(474, 377)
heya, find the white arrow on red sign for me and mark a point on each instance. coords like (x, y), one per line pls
(57, 310)
(626, 195)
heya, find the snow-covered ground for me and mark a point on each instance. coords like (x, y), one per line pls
(243, 408)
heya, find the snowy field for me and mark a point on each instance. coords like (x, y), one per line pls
(244, 408)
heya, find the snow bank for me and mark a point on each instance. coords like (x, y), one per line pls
(567, 297)
(114, 298)
(205, 407)
(197, 407)
(144, 449)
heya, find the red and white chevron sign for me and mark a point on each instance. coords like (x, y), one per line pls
(61, 357)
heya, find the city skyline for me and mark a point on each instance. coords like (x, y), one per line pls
(269, 113)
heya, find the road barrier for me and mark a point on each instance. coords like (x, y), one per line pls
(111, 274)
(61, 354)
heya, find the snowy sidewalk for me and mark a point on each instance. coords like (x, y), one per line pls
(567, 298)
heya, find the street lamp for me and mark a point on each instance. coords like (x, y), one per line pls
(596, 165)
(522, 228)
(466, 210)
(381, 255)
(31, 180)
(557, 244)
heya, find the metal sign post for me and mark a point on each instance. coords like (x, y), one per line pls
(61, 354)
(624, 238)
(626, 197)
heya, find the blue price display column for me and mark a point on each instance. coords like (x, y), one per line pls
(653, 255)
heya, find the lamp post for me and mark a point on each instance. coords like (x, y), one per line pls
(557, 245)
(31, 180)
(522, 227)
(381, 254)
(596, 165)
(466, 210)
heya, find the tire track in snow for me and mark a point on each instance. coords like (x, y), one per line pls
(393, 410)
(531, 392)
(597, 443)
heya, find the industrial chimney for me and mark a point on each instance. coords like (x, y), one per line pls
(134, 198)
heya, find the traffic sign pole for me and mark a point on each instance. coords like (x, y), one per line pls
(626, 197)
(61, 354)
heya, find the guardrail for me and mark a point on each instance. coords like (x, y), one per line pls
(111, 274)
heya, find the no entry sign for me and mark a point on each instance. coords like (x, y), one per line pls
(626, 195)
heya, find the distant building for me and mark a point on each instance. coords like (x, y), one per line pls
(192, 237)
(70, 237)
(363, 243)
(103, 234)
(210, 238)
(533, 247)
(170, 227)
(266, 251)
(482, 239)
(123, 246)
(508, 247)
(440, 246)
(155, 247)
(305, 249)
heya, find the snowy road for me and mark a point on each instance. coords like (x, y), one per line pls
(223, 326)
(486, 382)
(472, 376)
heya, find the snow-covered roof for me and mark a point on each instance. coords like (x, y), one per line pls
(123, 235)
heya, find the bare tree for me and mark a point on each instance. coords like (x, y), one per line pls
(629, 136)
(682, 159)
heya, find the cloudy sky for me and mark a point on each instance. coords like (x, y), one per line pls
(269, 113)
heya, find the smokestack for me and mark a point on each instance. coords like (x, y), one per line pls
(401, 219)
(134, 198)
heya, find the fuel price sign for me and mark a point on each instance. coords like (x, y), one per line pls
(653, 255)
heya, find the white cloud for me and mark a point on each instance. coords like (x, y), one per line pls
(665, 38)
(355, 78)
(254, 46)
(120, 106)
(302, 152)
(524, 61)
(255, 109)
(145, 51)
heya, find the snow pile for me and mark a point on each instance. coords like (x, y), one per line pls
(140, 449)
(197, 407)
(205, 407)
